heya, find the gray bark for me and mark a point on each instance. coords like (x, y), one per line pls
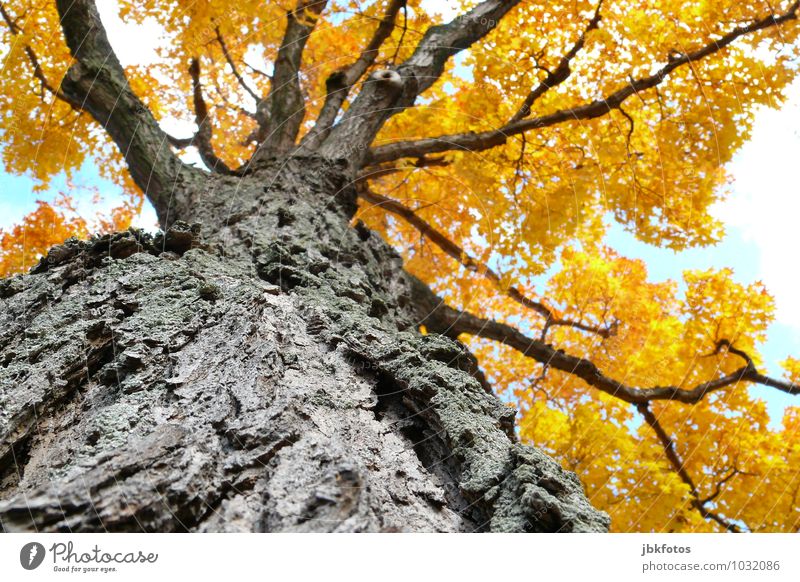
(256, 368)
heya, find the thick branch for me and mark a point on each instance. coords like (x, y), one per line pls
(448, 320)
(285, 103)
(341, 82)
(180, 142)
(480, 141)
(561, 73)
(384, 95)
(97, 82)
(202, 139)
(470, 263)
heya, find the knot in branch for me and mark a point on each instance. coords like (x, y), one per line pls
(388, 78)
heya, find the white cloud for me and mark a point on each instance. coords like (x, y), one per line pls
(447, 8)
(765, 203)
(134, 44)
(146, 219)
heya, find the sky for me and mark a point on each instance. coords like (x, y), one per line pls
(761, 215)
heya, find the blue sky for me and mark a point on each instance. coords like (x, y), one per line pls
(761, 215)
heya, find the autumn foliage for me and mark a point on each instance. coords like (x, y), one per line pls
(505, 215)
(52, 223)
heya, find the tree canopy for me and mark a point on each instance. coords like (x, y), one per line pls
(493, 149)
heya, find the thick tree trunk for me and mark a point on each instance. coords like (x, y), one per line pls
(259, 372)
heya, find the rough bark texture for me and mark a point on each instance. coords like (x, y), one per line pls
(259, 370)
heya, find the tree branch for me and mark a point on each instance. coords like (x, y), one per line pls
(340, 83)
(235, 106)
(38, 72)
(97, 81)
(718, 487)
(374, 172)
(471, 264)
(680, 469)
(285, 103)
(447, 320)
(202, 139)
(561, 73)
(232, 65)
(480, 141)
(388, 92)
(180, 142)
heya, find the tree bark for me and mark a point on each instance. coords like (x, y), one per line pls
(255, 368)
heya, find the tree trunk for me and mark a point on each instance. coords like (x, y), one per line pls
(256, 368)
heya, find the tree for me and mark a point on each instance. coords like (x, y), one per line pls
(267, 363)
